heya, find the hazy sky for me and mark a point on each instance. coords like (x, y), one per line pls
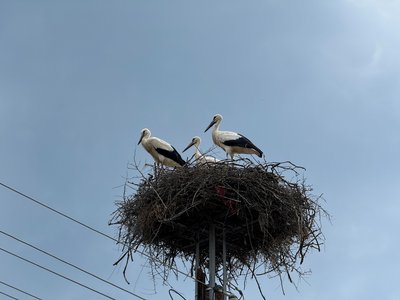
(314, 82)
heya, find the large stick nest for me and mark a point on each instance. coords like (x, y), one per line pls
(269, 221)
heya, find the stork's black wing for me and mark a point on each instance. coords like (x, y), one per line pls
(173, 155)
(243, 142)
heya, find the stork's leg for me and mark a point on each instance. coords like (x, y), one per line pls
(158, 168)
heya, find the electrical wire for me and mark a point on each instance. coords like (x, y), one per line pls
(55, 211)
(94, 230)
(55, 273)
(9, 296)
(19, 290)
(90, 228)
(70, 264)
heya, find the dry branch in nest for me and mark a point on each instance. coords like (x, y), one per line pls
(270, 222)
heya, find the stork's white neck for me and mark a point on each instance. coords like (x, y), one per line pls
(216, 126)
(197, 154)
(145, 138)
(214, 132)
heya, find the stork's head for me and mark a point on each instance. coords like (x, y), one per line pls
(216, 120)
(195, 142)
(145, 133)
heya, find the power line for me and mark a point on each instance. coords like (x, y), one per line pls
(55, 211)
(55, 273)
(9, 296)
(91, 228)
(70, 264)
(98, 232)
(19, 290)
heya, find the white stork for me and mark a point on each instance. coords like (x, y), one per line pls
(231, 142)
(200, 158)
(162, 152)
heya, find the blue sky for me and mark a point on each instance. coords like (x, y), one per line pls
(314, 82)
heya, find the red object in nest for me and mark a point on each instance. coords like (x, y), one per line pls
(220, 191)
(231, 204)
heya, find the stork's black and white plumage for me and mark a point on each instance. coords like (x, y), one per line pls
(162, 152)
(232, 142)
(200, 158)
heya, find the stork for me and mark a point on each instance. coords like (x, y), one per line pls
(200, 158)
(232, 142)
(162, 152)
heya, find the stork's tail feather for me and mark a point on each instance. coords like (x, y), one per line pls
(260, 153)
(181, 162)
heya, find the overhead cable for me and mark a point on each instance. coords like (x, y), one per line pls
(92, 229)
(70, 264)
(7, 295)
(19, 290)
(58, 274)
